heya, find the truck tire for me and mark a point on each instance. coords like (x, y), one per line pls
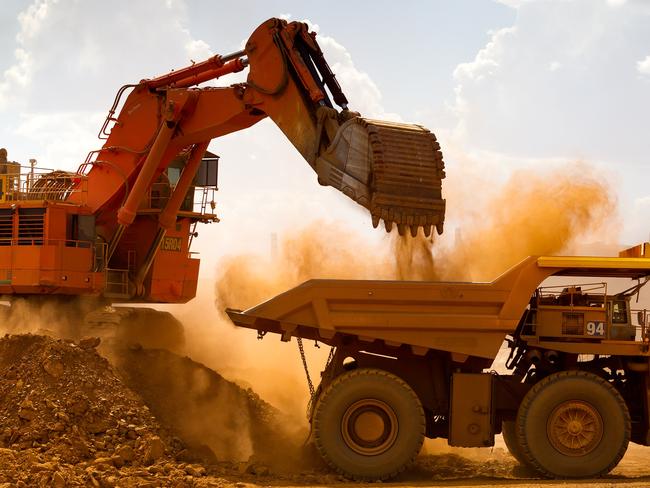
(368, 424)
(509, 432)
(573, 424)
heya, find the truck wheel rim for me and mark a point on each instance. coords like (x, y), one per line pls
(575, 428)
(369, 427)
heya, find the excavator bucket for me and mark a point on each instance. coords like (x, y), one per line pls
(394, 170)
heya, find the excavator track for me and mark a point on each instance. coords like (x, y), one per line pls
(395, 170)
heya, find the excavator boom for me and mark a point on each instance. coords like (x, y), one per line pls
(121, 227)
(392, 169)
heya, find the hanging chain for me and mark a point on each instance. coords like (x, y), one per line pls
(304, 363)
(312, 390)
(330, 357)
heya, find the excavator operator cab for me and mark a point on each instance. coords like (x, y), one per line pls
(578, 312)
(203, 185)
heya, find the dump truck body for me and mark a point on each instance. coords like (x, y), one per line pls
(470, 319)
(441, 339)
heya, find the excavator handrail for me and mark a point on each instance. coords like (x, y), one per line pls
(103, 134)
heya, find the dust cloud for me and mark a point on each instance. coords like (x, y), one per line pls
(51, 317)
(533, 213)
(319, 250)
(215, 418)
(542, 212)
(412, 258)
(272, 369)
(549, 212)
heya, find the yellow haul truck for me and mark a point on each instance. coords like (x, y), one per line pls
(414, 359)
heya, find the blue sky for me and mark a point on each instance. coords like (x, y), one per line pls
(408, 48)
(506, 85)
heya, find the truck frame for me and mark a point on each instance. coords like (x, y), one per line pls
(416, 359)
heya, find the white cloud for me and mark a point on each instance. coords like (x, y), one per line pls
(553, 82)
(557, 85)
(19, 75)
(640, 220)
(487, 61)
(512, 3)
(32, 19)
(362, 93)
(197, 49)
(644, 66)
(485, 65)
(64, 137)
(70, 46)
(68, 63)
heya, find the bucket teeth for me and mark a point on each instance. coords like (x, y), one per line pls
(439, 228)
(403, 228)
(394, 170)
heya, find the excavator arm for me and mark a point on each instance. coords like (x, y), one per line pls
(392, 169)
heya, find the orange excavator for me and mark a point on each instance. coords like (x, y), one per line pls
(120, 228)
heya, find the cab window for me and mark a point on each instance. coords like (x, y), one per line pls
(619, 312)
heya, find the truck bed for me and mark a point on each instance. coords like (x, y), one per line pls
(466, 319)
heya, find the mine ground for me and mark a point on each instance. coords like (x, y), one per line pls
(77, 414)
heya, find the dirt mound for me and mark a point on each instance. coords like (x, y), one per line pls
(66, 417)
(216, 418)
(61, 396)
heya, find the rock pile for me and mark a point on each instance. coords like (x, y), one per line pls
(67, 420)
(64, 399)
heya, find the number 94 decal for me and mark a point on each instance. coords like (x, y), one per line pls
(596, 328)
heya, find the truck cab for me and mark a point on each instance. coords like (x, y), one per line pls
(583, 312)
